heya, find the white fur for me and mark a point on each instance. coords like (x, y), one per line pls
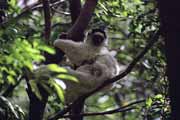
(90, 76)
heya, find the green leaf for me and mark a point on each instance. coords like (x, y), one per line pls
(35, 44)
(56, 68)
(38, 57)
(12, 72)
(149, 102)
(29, 65)
(9, 108)
(125, 13)
(138, 1)
(103, 6)
(11, 79)
(20, 112)
(35, 89)
(47, 49)
(4, 69)
(158, 96)
(59, 91)
(46, 87)
(67, 77)
(13, 2)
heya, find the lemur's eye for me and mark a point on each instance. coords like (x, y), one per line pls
(97, 39)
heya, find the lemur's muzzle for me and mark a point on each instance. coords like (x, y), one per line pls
(98, 39)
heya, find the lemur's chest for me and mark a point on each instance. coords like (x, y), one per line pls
(85, 53)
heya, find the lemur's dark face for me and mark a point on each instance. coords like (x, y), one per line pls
(98, 38)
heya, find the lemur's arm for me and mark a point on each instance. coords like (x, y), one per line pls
(67, 44)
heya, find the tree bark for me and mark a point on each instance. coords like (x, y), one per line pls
(47, 19)
(75, 9)
(80, 20)
(77, 109)
(170, 22)
(37, 106)
(76, 32)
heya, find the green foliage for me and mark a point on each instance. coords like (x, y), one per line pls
(67, 77)
(55, 68)
(149, 102)
(48, 76)
(158, 105)
(59, 91)
(130, 24)
(19, 55)
(8, 111)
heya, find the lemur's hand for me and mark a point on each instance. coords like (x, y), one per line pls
(63, 35)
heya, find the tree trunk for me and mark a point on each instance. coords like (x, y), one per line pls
(170, 22)
(75, 9)
(80, 20)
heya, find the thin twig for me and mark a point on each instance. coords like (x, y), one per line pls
(60, 12)
(100, 113)
(117, 110)
(27, 11)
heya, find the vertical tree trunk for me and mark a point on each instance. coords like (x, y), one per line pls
(170, 21)
(75, 9)
(36, 106)
(77, 109)
(80, 20)
(76, 32)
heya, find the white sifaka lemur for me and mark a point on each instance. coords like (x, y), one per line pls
(95, 43)
(95, 63)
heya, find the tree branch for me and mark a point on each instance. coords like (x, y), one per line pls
(36, 106)
(76, 32)
(47, 18)
(60, 12)
(100, 113)
(154, 38)
(75, 9)
(27, 11)
(117, 110)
